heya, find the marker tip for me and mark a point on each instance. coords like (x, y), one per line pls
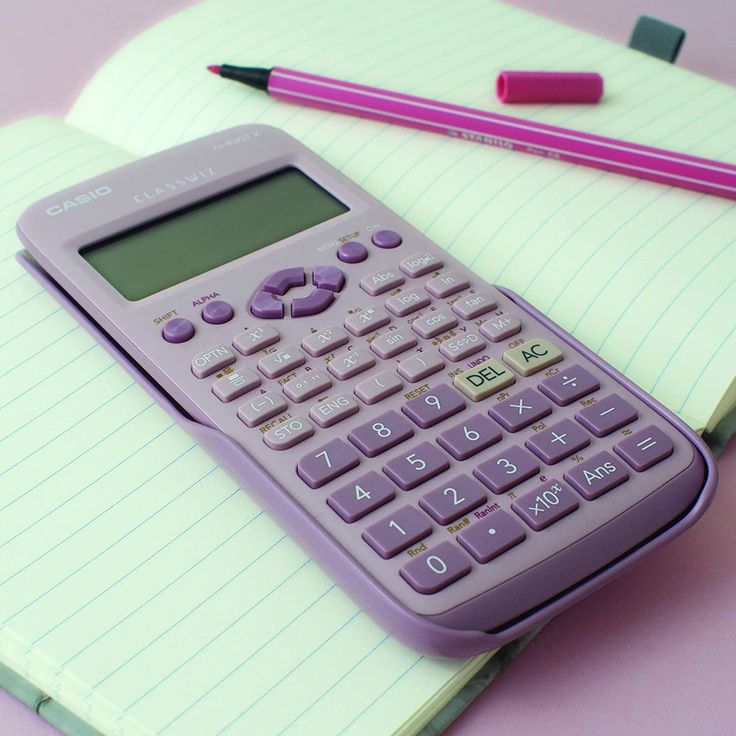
(214, 68)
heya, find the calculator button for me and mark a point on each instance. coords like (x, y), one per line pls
(532, 356)
(289, 433)
(419, 367)
(217, 312)
(386, 239)
(545, 505)
(324, 341)
(394, 342)
(446, 284)
(470, 437)
(349, 364)
(303, 387)
(507, 470)
(607, 415)
(266, 306)
(235, 384)
(484, 379)
(488, 538)
(363, 495)
(257, 410)
(645, 448)
(419, 264)
(367, 320)
(462, 347)
(434, 324)
(436, 569)
(473, 306)
(254, 339)
(328, 277)
(416, 466)
(381, 281)
(279, 282)
(396, 532)
(407, 302)
(177, 330)
(378, 387)
(569, 385)
(558, 442)
(212, 360)
(326, 463)
(454, 499)
(333, 409)
(352, 252)
(282, 361)
(315, 303)
(434, 406)
(381, 434)
(597, 475)
(500, 327)
(521, 410)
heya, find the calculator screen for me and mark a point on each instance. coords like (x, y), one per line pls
(192, 241)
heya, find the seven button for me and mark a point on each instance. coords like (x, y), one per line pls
(326, 463)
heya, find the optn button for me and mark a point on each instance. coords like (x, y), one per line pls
(483, 380)
(532, 356)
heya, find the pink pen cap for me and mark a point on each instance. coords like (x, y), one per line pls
(512, 86)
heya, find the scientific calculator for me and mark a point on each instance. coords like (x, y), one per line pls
(463, 467)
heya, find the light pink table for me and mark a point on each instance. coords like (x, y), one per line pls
(653, 653)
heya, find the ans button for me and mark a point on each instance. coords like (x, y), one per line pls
(352, 252)
(177, 330)
(279, 282)
(386, 239)
(217, 312)
(315, 303)
(266, 306)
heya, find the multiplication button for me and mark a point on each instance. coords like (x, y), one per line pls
(545, 505)
(521, 410)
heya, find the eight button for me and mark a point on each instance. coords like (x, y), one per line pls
(381, 434)
(395, 533)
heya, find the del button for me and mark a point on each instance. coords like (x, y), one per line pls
(532, 356)
(483, 380)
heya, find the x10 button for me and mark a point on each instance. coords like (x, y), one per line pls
(545, 505)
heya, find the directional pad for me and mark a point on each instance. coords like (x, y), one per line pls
(315, 303)
(328, 277)
(279, 282)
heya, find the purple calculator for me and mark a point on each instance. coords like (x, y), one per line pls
(458, 463)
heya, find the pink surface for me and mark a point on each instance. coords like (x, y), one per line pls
(654, 652)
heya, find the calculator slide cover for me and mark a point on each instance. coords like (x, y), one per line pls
(339, 296)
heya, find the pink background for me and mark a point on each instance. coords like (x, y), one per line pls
(654, 652)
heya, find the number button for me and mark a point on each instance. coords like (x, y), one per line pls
(416, 466)
(545, 505)
(506, 470)
(454, 499)
(487, 538)
(326, 463)
(434, 406)
(380, 434)
(436, 569)
(465, 440)
(359, 498)
(395, 533)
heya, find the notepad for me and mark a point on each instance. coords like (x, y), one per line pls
(139, 586)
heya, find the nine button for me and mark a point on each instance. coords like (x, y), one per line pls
(434, 406)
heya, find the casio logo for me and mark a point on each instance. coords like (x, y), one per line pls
(78, 201)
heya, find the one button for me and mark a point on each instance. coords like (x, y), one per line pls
(597, 475)
(315, 303)
(217, 312)
(545, 505)
(645, 448)
(254, 339)
(349, 364)
(532, 356)
(558, 442)
(282, 361)
(447, 284)
(484, 379)
(490, 537)
(407, 302)
(381, 434)
(434, 406)
(607, 415)
(521, 410)
(381, 281)
(569, 385)
(473, 306)
(326, 463)
(363, 495)
(470, 437)
(260, 408)
(378, 387)
(419, 264)
(460, 348)
(454, 499)
(289, 433)
(367, 320)
(235, 384)
(416, 466)
(418, 367)
(504, 471)
(177, 330)
(436, 569)
(303, 387)
(325, 341)
(501, 327)
(266, 306)
(434, 324)
(211, 361)
(393, 342)
(352, 252)
(333, 409)
(280, 282)
(328, 277)
(404, 527)
(386, 239)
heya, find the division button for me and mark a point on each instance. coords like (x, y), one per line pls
(434, 406)
(266, 306)
(363, 495)
(470, 437)
(558, 442)
(350, 363)
(328, 277)
(473, 306)
(607, 415)
(177, 330)
(254, 339)
(507, 470)
(324, 341)
(404, 527)
(235, 384)
(282, 361)
(416, 466)
(326, 463)
(407, 302)
(460, 348)
(434, 324)
(367, 320)
(447, 284)
(569, 385)
(381, 434)
(261, 408)
(419, 366)
(419, 264)
(436, 569)
(289, 433)
(386, 239)
(645, 448)
(454, 499)
(352, 252)
(303, 387)
(314, 303)
(281, 281)
(381, 281)
(484, 379)
(378, 387)
(212, 360)
(597, 475)
(490, 537)
(333, 409)
(545, 505)
(521, 410)
(501, 327)
(393, 342)
(532, 356)
(217, 312)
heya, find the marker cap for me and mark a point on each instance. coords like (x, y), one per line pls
(515, 86)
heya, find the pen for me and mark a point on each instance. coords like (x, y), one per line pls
(479, 126)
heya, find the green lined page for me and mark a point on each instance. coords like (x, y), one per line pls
(642, 273)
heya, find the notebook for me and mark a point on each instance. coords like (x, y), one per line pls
(140, 589)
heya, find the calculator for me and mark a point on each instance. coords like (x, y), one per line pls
(459, 464)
